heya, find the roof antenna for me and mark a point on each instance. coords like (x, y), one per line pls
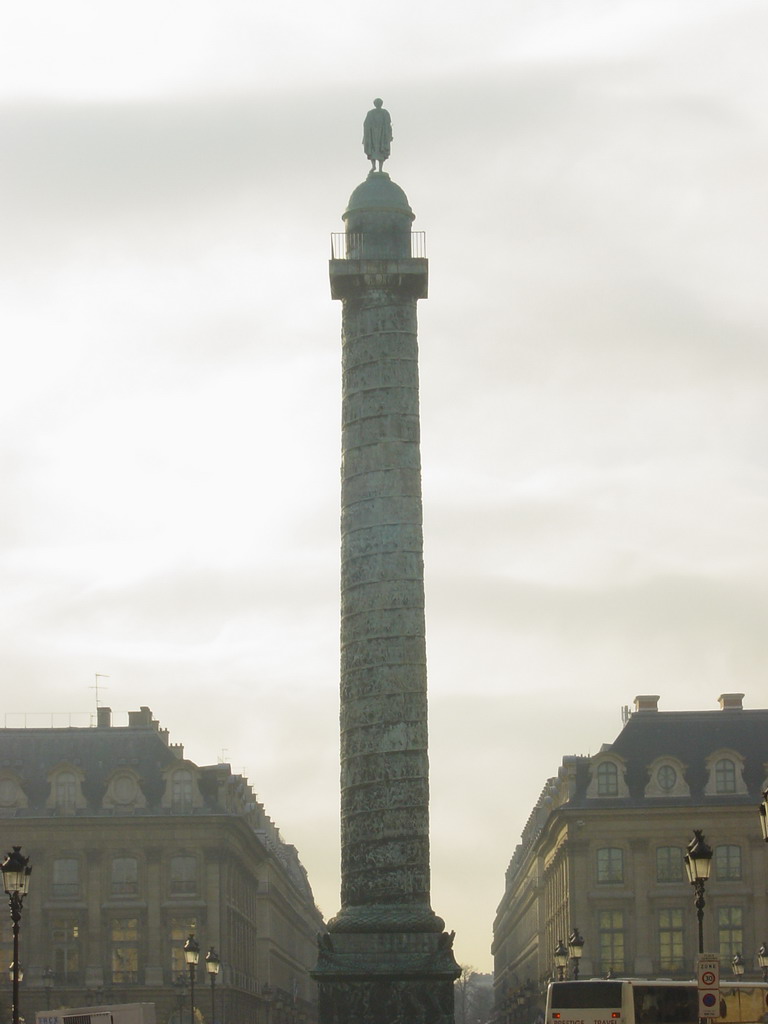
(99, 675)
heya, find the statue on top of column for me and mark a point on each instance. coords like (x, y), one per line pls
(377, 134)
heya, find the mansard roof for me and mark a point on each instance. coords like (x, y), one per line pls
(692, 741)
(692, 738)
(33, 753)
(34, 756)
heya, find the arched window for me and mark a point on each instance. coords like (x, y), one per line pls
(726, 773)
(607, 779)
(66, 790)
(65, 796)
(610, 865)
(725, 776)
(728, 863)
(181, 791)
(669, 864)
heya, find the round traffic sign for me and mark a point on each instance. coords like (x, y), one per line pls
(708, 978)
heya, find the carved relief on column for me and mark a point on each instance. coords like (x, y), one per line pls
(384, 766)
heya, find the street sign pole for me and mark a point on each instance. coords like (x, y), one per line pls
(708, 982)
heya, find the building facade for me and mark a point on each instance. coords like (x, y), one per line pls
(133, 848)
(603, 852)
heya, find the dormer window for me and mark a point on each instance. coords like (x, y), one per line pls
(66, 795)
(666, 778)
(182, 793)
(66, 789)
(607, 777)
(11, 794)
(726, 774)
(124, 793)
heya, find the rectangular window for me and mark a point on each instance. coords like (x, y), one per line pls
(728, 863)
(183, 876)
(65, 950)
(125, 876)
(6, 939)
(66, 878)
(671, 939)
(610, 865)
(669, 864)
(730, 931)
(610, 925)
(124, 932)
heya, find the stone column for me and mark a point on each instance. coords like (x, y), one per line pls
(644, 936)
(157, 957)
(386, 956)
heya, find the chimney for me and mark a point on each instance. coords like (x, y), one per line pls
(647, 702)
(731, 701)
(141, 719)
(103, 718)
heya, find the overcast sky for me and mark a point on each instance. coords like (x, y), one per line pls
(591, 176)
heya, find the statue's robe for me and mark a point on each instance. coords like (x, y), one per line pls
(377, 134)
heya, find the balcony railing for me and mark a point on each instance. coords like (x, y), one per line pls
(348, 247)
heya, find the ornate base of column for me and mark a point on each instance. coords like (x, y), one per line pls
(388, 977)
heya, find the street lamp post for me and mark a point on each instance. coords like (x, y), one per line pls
(561, 959)
(48, 978)
(191, 955)
(212, 965)
(267, 994)
(180, 984)
(762, 960)
(575, 949)
(698, 863)
(16, 872)
(737, 965)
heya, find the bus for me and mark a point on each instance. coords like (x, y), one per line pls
(642, 1001)
(118, 1013)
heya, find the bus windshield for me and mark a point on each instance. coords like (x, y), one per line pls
(604, 997)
